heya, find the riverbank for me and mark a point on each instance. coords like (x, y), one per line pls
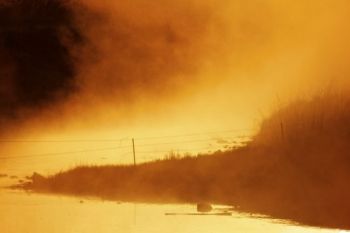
(38, 213)
(267, 187)
(297, 167)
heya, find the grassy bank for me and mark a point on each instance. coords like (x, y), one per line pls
(297, 167)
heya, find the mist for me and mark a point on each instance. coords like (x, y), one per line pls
(242, 103)
(73, 65)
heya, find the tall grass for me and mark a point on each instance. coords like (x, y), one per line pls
(309, 142)
(296, 167)
(322, 119)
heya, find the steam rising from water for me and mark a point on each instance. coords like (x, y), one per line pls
(57, 55)
(77, 62)
(36, 66)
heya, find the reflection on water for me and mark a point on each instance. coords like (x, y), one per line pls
(34, 213)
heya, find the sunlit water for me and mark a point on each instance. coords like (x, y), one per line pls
(22, 212)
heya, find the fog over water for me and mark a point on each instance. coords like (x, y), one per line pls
(102, 64)
(79, 79)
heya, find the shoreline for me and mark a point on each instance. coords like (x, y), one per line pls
(187, 180)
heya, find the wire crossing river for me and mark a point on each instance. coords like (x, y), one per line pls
(21, 212)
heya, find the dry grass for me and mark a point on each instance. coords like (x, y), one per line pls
(297, 167)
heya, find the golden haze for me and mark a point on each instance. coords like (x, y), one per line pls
(152, 68)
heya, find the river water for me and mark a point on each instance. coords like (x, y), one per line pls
(22, 212)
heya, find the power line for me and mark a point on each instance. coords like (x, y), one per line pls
(175, 142)
(108, 140)
(195, 134)
(140, 145)
(111, 148)
(61, 141)
(208, 148)
(61, 153)
(120, 139)
(174, 150)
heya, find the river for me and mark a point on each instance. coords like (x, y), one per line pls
(22, 212)
(36, 213)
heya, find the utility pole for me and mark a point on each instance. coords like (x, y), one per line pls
(133, 149)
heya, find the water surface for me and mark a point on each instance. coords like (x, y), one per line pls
(36, 213)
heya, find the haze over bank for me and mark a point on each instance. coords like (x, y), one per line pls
(296, 168)
(121, 56)
(114, 68)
